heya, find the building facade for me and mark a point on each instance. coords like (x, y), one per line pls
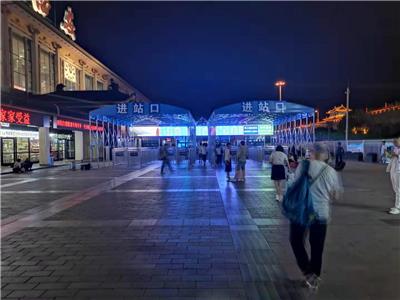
(36, 57)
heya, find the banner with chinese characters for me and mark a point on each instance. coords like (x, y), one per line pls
(75, 125)
(137, 108)
(16, 116)
(264, 107)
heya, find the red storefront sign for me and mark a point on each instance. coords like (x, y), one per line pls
(78, 125)
(15, 116)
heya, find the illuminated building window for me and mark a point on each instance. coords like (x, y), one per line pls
(47, 73)
(71, 76)
(89, 83)
(21, 62)
(100, 86)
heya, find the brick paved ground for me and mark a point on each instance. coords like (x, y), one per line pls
(121, 234)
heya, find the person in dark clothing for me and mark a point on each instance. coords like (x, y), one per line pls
(339, 154)
(218, 154)
(165, 159)
(27, 165)
(317, 234)
(228, 161)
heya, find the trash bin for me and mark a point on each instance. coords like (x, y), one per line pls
(372, 157)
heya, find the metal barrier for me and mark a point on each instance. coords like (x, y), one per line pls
(256, 153)
(133, 156)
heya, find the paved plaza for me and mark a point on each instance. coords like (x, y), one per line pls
(116, 233)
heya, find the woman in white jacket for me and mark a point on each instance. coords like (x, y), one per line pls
(394, 169)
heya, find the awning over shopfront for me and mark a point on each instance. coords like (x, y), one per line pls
(75, 104)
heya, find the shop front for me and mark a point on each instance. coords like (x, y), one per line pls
(69, 138)
(19, 136)
(62, 145)
(20, 144)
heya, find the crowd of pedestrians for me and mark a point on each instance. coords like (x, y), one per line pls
(306, 182)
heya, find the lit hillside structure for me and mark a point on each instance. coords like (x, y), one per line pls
(335, 115)
(386, 108)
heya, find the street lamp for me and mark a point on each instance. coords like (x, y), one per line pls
(280, 84)
(317, 112)
(347, 92)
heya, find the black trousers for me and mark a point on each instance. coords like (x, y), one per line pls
(338, 158)
(166, 162)
(317, 233)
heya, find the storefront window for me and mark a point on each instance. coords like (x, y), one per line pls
(62, 146)
(89, 83)
(20, 144)
(21, 64)
(100, 86)
(47, 73)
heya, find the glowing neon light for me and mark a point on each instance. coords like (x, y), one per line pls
(15, 117)
(78, 125)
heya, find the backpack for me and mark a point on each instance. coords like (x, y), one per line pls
(297, 203)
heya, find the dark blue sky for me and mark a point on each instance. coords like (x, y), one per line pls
(202, 55)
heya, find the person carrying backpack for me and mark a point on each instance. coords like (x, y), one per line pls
(306, 204)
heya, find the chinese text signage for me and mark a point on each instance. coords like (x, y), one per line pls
(15, 117)
(137, 108)
(78, 125)
(263, 107)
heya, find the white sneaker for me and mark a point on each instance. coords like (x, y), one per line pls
(394, 211)
(313, 282)
(277, 198)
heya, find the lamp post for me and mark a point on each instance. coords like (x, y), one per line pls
(317, 112)
(280, 84)
(347, 115)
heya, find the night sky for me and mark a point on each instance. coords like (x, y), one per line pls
(201, 55)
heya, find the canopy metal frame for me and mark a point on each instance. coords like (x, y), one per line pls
(115, 133)
(295, 124)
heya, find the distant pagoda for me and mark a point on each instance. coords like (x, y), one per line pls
(335, 115)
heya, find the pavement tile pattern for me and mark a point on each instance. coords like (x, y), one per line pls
(116, 233)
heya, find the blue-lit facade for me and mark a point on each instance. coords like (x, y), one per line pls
(258, 122)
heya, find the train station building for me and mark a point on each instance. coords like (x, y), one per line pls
(49, 83)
